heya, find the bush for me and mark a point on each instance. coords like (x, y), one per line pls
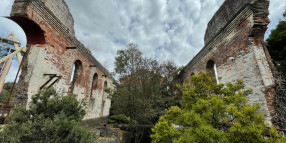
(213, 112)
(49, 118)
(5, 92)
(119, 119)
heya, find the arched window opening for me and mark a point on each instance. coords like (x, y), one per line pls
(211, 69)
(77, 70)
(104, 97)
(34, 33)
(94, 84)
(105, 87)
(192, 74)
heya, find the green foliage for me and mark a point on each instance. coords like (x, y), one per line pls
(277, 45)
(145, 88)
(119, 118)
(213, 112)
(5, 92)
(144, 91)
(49, 118)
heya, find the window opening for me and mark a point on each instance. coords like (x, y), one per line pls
(103, 97)
(76, 72)
(212, 70)
(94, 84)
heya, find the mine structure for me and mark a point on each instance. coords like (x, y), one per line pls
(7, 53)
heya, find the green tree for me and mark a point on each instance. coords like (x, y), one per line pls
(144, 90)
(277, 45)
(49, 118)
(213, 112)
(277, 49)
(5, 92)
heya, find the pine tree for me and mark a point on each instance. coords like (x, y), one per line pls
(277, 45)
(211, 112)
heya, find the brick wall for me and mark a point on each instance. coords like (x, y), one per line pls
(236, 46)
(49, 29)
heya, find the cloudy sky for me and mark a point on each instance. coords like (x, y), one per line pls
(164, 29)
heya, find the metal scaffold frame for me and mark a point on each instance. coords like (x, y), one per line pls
(5, 63)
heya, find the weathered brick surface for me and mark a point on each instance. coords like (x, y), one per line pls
(61, 12)
(225, 13)
(234, 41)
(48, 55)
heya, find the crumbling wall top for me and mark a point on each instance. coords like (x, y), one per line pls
(62, 12)
(224, 14)
(59, 8)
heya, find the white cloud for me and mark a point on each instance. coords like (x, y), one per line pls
(6, 7)
(276, 9)
(164, 29)
(7, 26)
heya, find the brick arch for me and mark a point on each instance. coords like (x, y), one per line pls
(94, 84)
(95, 81)
(34, 33)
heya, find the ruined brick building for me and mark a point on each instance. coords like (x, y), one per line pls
(54, 54)
(234, 49)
